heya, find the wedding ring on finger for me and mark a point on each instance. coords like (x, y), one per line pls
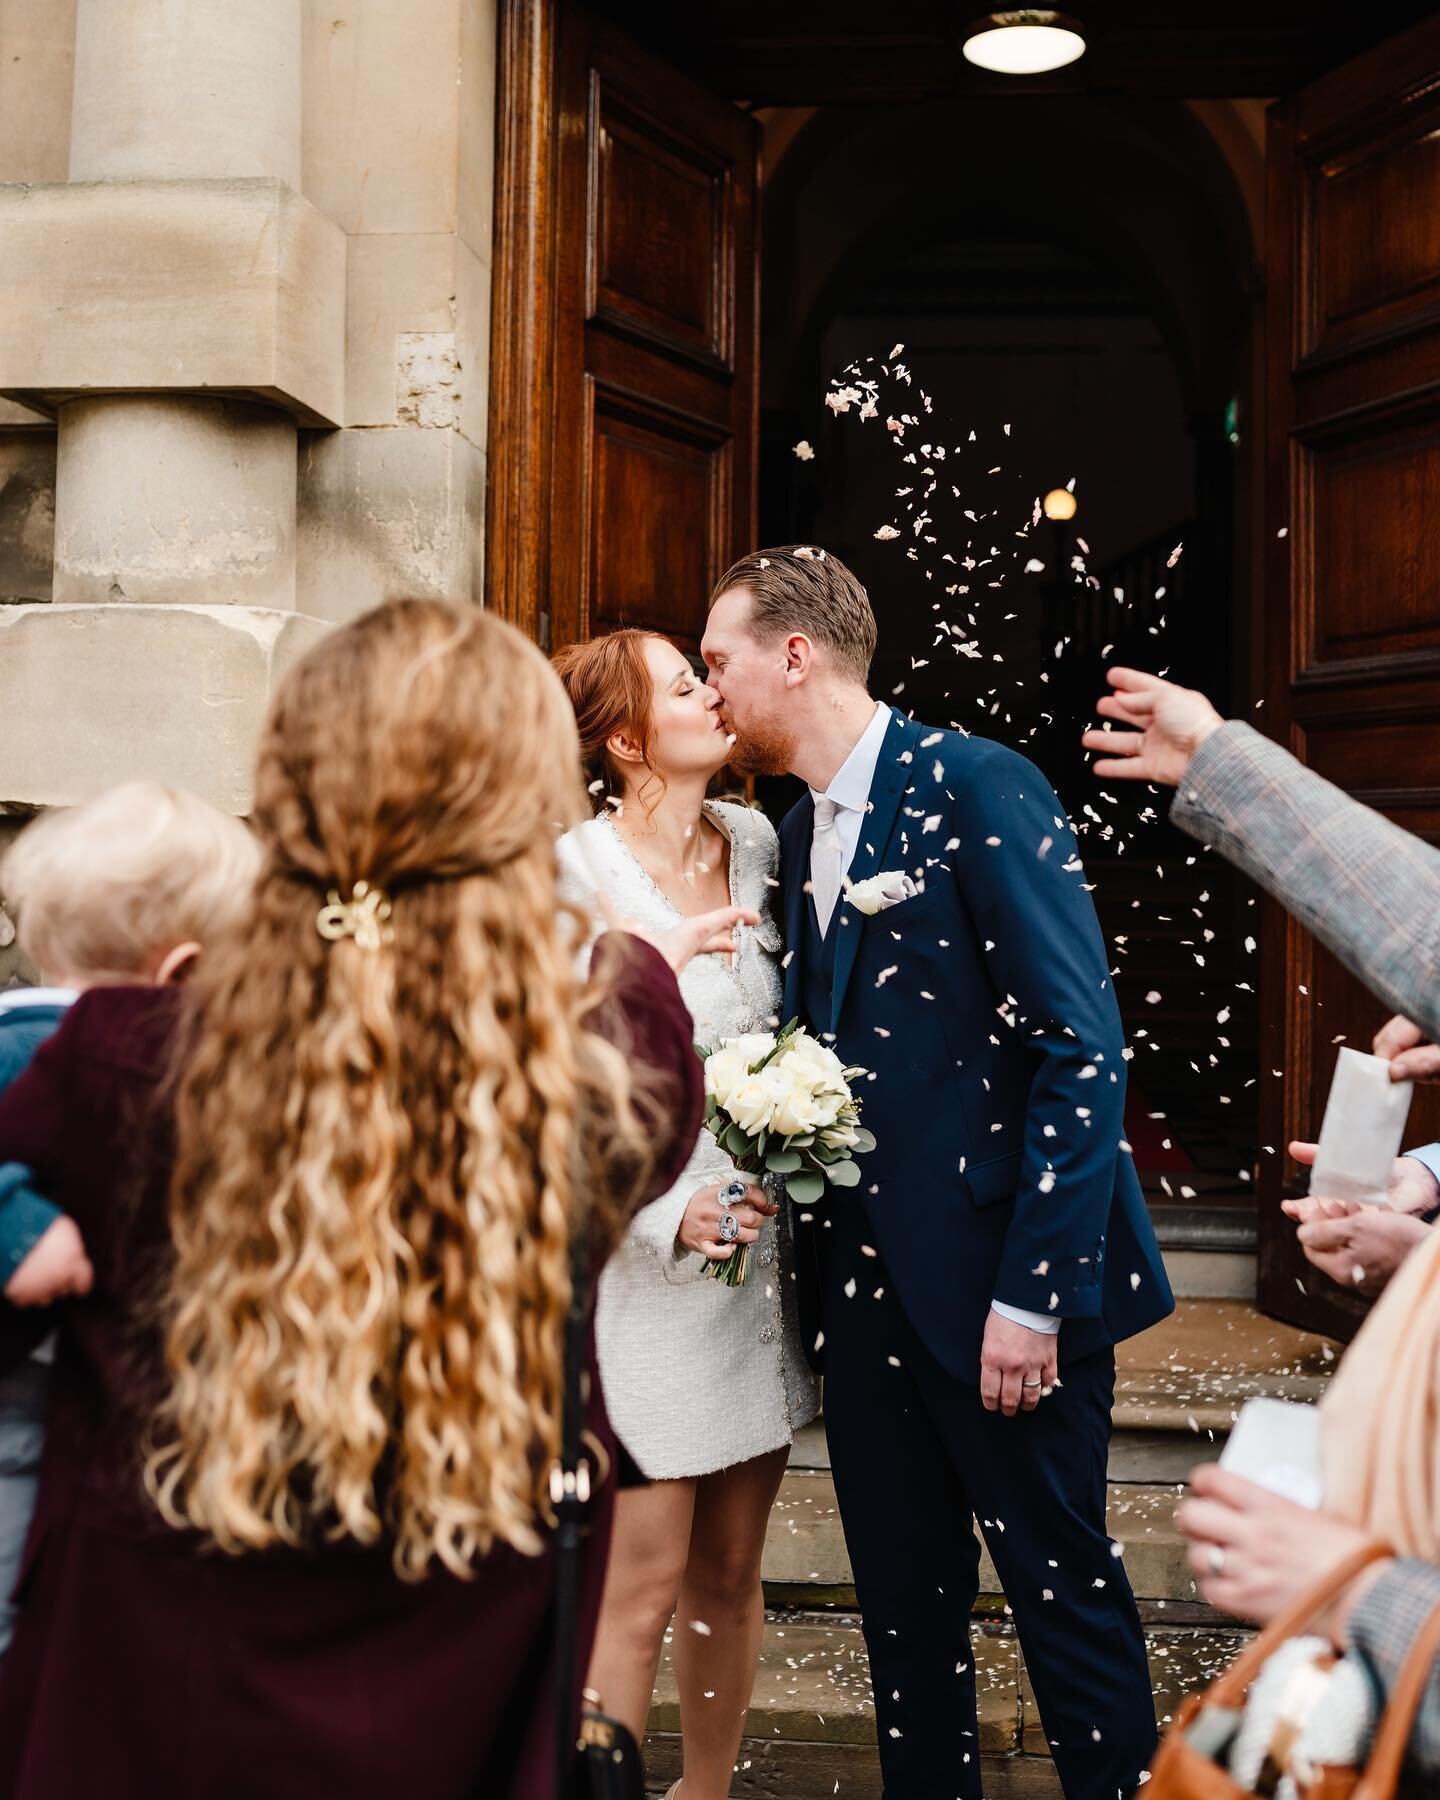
(728, 1229)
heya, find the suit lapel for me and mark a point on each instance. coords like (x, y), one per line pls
(795, 834)
(892, 777)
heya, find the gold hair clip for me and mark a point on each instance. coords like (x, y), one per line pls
(364, 917)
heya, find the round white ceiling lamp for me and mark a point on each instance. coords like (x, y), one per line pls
(1030, 41)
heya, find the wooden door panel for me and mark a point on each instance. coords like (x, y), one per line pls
(659, 501)
(663, 229)
(1375, 235)
(1352, 615)
(1390, 764)
(1368, 505)
(625, 308)
(655, 399)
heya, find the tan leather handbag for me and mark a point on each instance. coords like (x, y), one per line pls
(1190, 1764)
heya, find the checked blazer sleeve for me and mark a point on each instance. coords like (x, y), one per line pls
(1369, 890)
(1382, 1628)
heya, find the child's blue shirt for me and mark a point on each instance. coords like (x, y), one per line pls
(27, 1018)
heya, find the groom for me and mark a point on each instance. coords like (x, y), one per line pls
(999, 1232)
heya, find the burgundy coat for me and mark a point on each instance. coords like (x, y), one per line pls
(146, 1665)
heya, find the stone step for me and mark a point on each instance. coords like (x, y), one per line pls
(811, 1721)
(806, 1563)
(1194, 1371)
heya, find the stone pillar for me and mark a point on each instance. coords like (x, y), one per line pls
(176, 497)
(173, 90)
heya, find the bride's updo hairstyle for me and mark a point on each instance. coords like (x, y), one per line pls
(389, 1092)
(611, 690)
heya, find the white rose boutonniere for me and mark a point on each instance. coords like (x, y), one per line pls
(877, 892)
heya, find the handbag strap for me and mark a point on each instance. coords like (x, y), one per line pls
(1229, 1690)
(570, 1497)
(1382, 1772)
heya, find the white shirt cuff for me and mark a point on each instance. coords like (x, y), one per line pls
(1045, 1323)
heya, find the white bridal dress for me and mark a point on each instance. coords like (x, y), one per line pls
(698, 1376)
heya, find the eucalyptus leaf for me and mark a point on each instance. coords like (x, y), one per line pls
(844, 1174)
(783, 1162)
(805, 1187)
(864, 1141)
(736, 1141)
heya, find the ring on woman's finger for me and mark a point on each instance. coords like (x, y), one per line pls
(728, 1229)
(1032, 1384)
(1216, 1560)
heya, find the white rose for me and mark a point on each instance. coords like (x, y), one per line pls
(827, 1107)
(795, 1111)
(751, 1103)
(821, 1064)
(728, 1066)
(839, 1137)
(877, 892)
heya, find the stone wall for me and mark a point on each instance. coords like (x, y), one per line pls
(244, 324)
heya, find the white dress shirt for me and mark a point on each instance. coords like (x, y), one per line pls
(850, 792)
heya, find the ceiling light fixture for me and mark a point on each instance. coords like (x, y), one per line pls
(1028, 42)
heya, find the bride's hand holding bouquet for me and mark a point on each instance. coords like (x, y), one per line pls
(700, 1229)
(781, 1107)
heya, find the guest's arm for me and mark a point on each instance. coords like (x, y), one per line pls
(1369, 890)
(1381, 1629)
(1255, 1554)
(646, 1017)
(25, 1216)
(1426, 1192)
(32, 1122)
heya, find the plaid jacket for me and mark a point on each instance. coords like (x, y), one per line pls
(1382, 1628)
(1369, 890)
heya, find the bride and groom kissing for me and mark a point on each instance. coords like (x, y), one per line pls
(963, 1302)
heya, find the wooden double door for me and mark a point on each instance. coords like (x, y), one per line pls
(1351, 609)
(624, 399)
(624, 422)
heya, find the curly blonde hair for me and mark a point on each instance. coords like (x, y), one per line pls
(377, 1148)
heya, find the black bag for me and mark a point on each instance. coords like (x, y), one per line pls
(603, 1762)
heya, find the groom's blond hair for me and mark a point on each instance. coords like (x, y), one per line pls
(803, 588)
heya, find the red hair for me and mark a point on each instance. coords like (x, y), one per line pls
(611, 689)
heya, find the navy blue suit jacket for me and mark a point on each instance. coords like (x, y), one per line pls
(984, 1012)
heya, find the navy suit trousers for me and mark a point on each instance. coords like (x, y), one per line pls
(916, 1457)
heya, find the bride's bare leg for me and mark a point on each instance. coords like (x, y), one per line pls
(642, 1581)
(721, 1590)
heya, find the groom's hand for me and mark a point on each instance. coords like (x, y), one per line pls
(1017, 1366)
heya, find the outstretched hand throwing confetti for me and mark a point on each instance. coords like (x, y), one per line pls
(1170, 723)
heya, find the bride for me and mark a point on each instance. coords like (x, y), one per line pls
(706, 1384)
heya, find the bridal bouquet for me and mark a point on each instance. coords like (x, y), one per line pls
(780, 1105)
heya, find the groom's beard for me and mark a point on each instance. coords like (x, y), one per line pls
(764, 748)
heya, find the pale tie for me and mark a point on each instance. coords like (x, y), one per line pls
(827, 862)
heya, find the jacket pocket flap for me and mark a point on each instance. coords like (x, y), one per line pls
(993, 1180)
